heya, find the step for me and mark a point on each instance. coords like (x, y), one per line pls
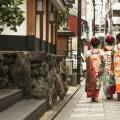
(8, 97)
(30, 109)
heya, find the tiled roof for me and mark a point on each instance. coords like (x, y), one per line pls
(69, 2)
(60, 4)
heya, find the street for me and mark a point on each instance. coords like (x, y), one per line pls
(80, 108)
(47, 48)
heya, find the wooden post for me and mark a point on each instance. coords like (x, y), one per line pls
(93, 17)
(31, 17)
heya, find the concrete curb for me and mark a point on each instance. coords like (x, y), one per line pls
(61, 105)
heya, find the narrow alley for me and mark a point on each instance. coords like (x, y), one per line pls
(51, 51)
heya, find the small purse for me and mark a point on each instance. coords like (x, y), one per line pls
(98, 83)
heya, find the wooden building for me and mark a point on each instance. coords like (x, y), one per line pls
(39, 30)
(63, 42)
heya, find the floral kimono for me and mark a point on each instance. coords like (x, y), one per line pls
(116, 68)
(108, 78)
(93, 82)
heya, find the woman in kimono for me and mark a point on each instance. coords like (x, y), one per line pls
(116, 65)
(108, 78)
(93, 73)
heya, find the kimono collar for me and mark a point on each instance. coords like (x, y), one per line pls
(108, 48)
(95, 51)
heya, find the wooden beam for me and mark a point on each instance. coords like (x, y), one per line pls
(47, 24)
(31, 17)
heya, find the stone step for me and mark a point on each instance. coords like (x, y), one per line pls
(30, 109)
(8, 97)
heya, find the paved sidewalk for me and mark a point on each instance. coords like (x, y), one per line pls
(50, 115)
(83, 109)
(102, 110)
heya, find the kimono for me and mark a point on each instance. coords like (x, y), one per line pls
(116, 67)
(93, 81)
(108, 77)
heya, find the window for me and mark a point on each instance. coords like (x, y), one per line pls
(116, 13)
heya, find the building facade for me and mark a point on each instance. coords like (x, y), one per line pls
(38, 32)
(113, 16)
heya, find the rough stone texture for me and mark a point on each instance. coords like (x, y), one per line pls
(20, 73)
(3, 75)
(38, 74)
(47, 82)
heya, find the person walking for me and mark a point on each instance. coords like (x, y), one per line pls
(108, 78)
(93, 73)
(116, 65)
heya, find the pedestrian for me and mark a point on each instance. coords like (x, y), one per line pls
(108, 77)
(93, 73)
(116, 65)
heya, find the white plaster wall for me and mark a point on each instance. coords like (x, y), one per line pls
(38, 26)
(50, 33)
(74, 43)
(21, 30)
(44, 22)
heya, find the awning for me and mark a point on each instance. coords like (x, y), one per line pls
(66, 33)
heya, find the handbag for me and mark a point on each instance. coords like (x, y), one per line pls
(98, 83)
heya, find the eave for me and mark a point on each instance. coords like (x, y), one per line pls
(66, 33)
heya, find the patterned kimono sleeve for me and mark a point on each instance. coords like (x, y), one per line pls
(102, 65)
(87, 58)
(112, 63)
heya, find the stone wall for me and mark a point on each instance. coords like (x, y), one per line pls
(38, 74)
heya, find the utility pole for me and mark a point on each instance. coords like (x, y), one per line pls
(93, 17)
(110, 15)
(79, 42)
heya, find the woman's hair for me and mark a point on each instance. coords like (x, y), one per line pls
(109, 39)
(118, 37)
(94, 42)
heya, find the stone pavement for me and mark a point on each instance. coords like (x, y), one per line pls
(80, 108)
(51, 114)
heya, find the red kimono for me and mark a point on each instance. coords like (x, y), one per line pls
(93, 83)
